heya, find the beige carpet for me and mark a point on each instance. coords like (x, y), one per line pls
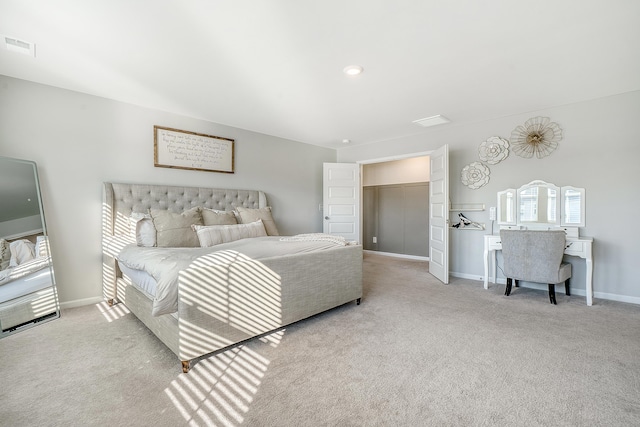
(415, 353)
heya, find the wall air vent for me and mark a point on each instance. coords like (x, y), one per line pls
(20, 46)
(431, 121)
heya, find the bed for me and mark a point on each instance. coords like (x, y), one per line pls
(27, 291)
(198, 300)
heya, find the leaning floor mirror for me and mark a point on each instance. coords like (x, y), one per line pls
(28, 293)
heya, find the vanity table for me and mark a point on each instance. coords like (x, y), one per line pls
(542, 206)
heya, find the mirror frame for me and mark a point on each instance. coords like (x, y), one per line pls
(41, 299)
(561, 206)
(538, 184)
(510, 210)
(565, 208)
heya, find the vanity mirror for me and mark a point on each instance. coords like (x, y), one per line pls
(541, 204)
(538, 203)
(507, 207)
(27, 285)
(573, 204)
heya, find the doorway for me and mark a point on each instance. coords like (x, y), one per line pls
(395, 207)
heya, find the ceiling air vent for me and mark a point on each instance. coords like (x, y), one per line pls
(16, 45)
(431, 121)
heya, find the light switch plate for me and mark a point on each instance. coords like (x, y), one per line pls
(492, 213)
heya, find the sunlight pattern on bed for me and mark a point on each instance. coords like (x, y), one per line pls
(240, 294)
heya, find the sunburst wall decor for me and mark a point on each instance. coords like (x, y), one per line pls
(538, 135)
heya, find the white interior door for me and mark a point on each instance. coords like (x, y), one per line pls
(439, 214)
(341, 200)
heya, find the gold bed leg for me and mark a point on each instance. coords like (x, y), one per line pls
(111, 302)
(186, 365)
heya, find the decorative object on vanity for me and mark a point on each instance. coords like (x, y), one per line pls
(493, 150)
(538, 135)
(475, 175)
(180, 149)
(28, 293)
(535, 256)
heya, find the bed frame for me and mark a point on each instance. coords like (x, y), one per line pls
(278, 291)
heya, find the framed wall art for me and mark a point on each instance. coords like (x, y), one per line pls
(174, 148)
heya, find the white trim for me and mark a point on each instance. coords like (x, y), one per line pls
(559, 288)
(23, 234)
(391, 254)
(394, 158)
(616, 297)
(466, 276)
(81, 302)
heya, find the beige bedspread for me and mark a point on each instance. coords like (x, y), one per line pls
(164, 264)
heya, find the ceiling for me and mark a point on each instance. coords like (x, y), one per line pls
(275, 66)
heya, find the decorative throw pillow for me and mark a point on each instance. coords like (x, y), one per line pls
(211, 235)
(143, 229)
(5, 254)
(174, 230)
(250, 215)
(216, 217)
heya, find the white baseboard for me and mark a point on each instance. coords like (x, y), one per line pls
(559, 288)
(500, 281)
(81, 302)
(616, 297)
(466, 276)
(391, 254)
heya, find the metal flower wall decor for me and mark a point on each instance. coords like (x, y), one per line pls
(493, 150)
(538, 135)
(475, 175)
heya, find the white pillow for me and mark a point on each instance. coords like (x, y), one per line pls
(211, 235)
(21, 251)
(143, 229)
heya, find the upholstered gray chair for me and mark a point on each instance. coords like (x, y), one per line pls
(535, 256)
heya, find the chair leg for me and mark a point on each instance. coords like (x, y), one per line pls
(552, 293)
(517, 283)
(507, 290)
(567, 289)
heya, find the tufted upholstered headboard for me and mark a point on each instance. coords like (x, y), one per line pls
(120, 200)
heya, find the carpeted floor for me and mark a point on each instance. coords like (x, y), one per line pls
(414, 353)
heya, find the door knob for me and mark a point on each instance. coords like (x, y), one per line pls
(326, 217)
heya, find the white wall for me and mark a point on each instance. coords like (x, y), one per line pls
(600, 151)
(80, 141)
(415, 169)
(21, 226)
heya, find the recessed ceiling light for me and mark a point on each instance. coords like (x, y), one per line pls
(20, 46)
(346, 141)
(431, 121)
(353, 70)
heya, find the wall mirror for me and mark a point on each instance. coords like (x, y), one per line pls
(28, 294)
(507, 207)
(541, 204)
(573, 202)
